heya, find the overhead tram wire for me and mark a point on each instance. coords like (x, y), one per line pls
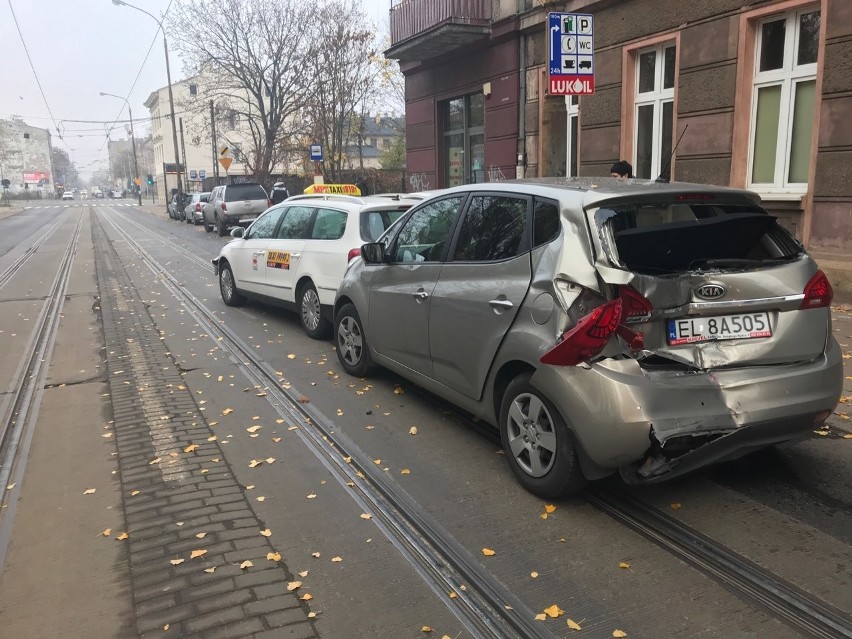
(35, 74)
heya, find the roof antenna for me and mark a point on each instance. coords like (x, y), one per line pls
(669, 161)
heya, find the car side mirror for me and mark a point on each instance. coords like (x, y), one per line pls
(238, 232)
(373, 253)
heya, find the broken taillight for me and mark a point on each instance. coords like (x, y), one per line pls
(587, 338)
(198, 207)
(818, 292)
(635, 307)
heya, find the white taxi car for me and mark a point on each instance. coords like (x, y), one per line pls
(296, 253)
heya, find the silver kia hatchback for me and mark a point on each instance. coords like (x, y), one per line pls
(603, 325)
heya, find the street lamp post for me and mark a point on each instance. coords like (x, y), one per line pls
(159, 22)
(133, 139)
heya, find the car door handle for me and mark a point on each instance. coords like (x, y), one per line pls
(420, 296)
(502, 304)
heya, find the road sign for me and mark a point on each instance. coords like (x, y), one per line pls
(571, 43)
(316, 152)
(202, 173)
(223, 150)
(137, 181)
(225, 162)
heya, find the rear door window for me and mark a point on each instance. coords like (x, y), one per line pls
(545, 222)
(296, 222)
(239, 192)
(328, 225)
(494, 229)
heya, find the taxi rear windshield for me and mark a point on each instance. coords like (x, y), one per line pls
(237, 192)
(681, 237)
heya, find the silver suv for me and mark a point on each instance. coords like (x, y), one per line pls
(602, 325)
(234, 205)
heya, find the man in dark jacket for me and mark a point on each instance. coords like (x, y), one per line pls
(279, 193)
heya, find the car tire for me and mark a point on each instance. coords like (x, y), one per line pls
(228, 287)
(543, 457)
(351, 343)
(221, 227)
(310, 312)
(207, 227)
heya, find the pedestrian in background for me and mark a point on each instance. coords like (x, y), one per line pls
(622, 169)
(279, 192)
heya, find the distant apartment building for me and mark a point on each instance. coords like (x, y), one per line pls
(26, 158)
(759, 93)
(370, 141)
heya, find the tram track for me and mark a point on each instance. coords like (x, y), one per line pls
(403, 521)
(19, 409)
(9, 272)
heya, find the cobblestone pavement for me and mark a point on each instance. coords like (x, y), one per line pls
(180, 496)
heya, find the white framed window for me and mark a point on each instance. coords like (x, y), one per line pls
(784, 102)
(653, 115)
(572, 158)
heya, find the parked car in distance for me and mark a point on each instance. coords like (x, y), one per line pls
(192, 212)
(67, 195)
(296, 253)
(234, 205)
(601, 325)
(99, 194)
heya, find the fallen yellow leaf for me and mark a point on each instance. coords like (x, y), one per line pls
(10, 486)
(412, 430)
(366, 516)
(620, 634)
(293, 585)
(210, 570)
(273, 556)
(270, 460)
(201, 535)
(311, 615)
(306, 597)
(220, 378)
(540, 616)
(425, 629)
(315, 554)
(452, 595)
(399, 390)
(624, 565)
(122, 536)
(279, 421)
(534, 574)
(676, 506)
(549, 508)
(573, 625)
(312, 496)
(553, 611)
(276, 439)
(167, 626)
(405, 471)
(337, 559)
(246, 564)
(107, 532)
(261, 498)
(266, 532)
(255, 463)
(197, 553)
(488, 552)
(89, 491)
(176, 562)
(304, 573)
(154, 461)
(135, 492)
(291, 356)
(190, 448)
(253, 429)
(227, 411)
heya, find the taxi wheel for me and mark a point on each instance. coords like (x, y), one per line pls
(538, 443)
(220, 226)
(310, 312)
(228, 287)
(351, 342)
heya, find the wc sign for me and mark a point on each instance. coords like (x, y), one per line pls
(571, 68)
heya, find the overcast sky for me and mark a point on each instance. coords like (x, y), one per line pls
(80, 48)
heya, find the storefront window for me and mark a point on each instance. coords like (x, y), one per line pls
(463, 121)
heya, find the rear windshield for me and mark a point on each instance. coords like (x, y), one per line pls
(678, 237)
(237, 192)
(374, 223)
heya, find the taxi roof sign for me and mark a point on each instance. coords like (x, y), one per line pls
(340, 189)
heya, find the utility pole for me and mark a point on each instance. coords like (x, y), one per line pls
(213, 140)
(133, 141)
(183, 150)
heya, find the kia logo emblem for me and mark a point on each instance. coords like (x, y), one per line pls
(711, 291)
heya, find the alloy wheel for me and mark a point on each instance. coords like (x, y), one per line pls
(531, 435)
(350, 341)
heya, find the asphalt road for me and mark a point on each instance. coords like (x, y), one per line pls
(134, 377)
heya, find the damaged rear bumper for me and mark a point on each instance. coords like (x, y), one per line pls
(658, 424)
